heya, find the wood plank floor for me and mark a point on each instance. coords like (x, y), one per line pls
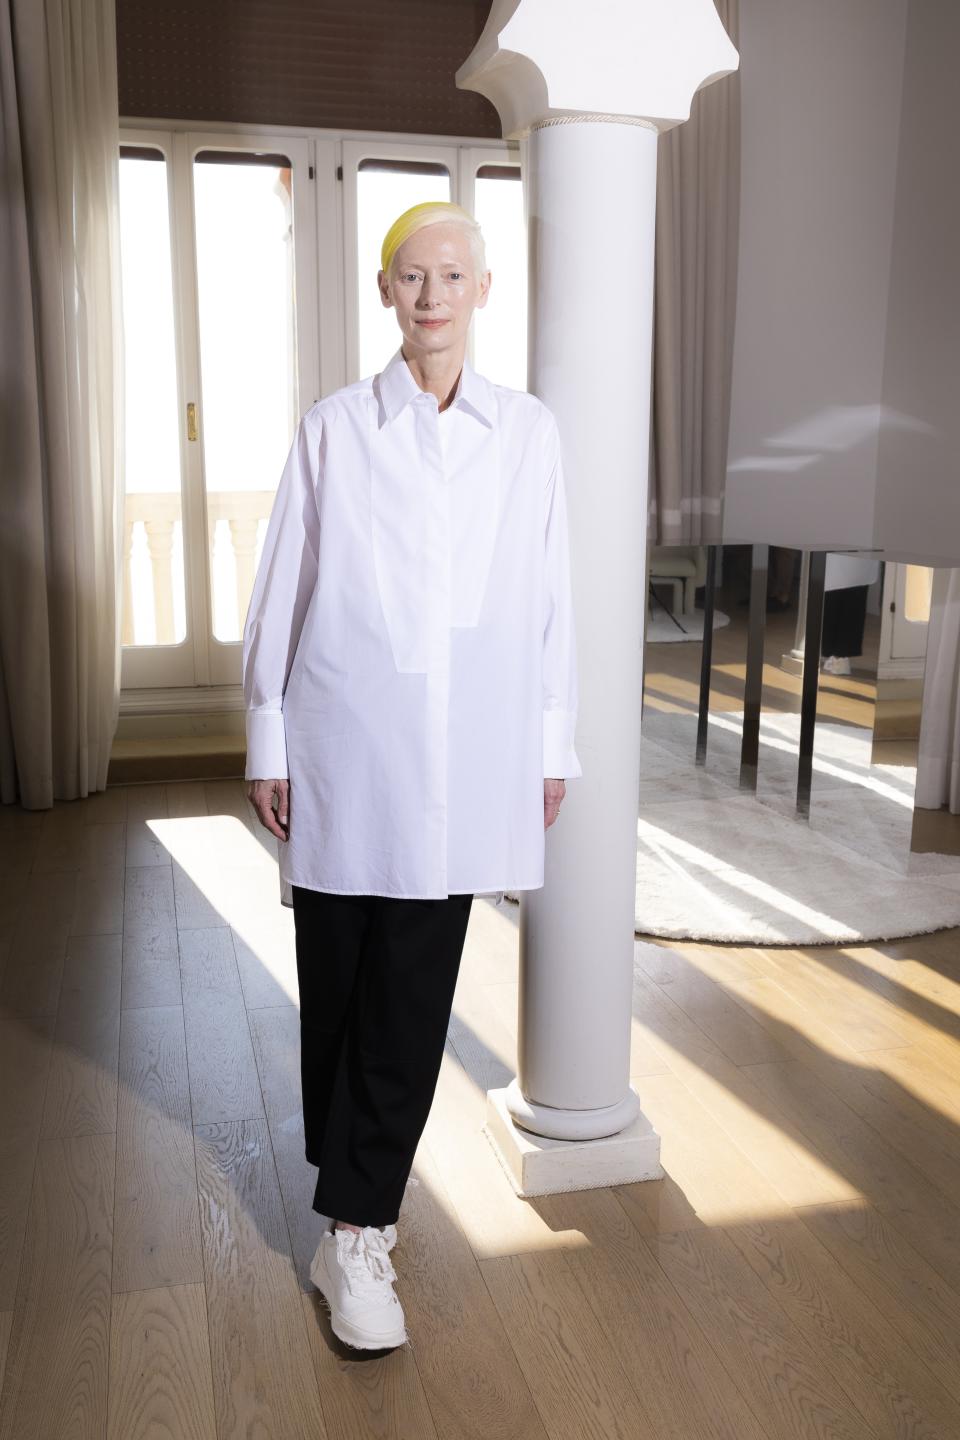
(672, 672)
(794, 1276)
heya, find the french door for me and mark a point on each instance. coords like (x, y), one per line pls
(249, 290)
(221, 357)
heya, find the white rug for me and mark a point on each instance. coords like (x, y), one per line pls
(716, 864)
(662, 630)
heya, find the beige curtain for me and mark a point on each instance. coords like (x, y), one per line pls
(698, 209)
(61, 399)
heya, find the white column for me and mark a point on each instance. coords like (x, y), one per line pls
(591, 83)
(591, 227)
(792, 660)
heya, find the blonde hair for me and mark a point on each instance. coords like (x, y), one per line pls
(431, 212)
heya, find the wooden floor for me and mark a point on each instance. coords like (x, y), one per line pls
(672, 672)
(795, 1274)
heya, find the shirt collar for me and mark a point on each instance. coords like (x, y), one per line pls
(397, 387)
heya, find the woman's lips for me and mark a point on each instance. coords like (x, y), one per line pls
(431, 324)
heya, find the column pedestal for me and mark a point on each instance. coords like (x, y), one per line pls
(541, 1165)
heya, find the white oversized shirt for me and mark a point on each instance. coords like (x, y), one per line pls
(409, 659)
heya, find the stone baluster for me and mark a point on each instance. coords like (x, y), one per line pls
(160, 547)
(127, 633)
(243, 538)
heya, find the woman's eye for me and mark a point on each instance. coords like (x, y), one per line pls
(456, 274)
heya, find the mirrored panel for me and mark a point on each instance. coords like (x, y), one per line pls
(673, 659)
(916, 730)
(885, 771)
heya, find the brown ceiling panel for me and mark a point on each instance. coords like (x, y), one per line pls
(365, 65)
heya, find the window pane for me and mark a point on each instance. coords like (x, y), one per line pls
(384, 190)
(500, 328)
(153, 610)
(245, 274)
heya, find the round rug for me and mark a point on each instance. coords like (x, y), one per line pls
(714, 863)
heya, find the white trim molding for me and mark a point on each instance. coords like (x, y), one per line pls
(182, 700)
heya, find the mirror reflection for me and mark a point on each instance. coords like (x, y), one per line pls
(886, 743)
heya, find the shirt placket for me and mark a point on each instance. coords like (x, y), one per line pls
(437, 559)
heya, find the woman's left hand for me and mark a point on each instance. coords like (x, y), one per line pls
(553, 793)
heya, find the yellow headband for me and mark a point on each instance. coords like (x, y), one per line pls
(427, 213)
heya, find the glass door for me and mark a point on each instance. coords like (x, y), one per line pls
(243, 368)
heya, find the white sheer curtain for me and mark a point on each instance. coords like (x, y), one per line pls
(61, 399)
(938, 767)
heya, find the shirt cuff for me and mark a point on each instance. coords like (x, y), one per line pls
(559, 757)
(266, 746)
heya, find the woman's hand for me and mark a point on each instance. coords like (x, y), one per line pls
(260, 793)
(553, 793)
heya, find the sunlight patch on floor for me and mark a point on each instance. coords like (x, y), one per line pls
(236, 877)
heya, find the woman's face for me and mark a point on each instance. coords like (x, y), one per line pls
(435, 287)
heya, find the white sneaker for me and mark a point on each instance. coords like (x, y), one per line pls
(391, 1233)
(352, 1271)
(837, 665)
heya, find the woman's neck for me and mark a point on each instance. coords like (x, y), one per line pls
(436, 373)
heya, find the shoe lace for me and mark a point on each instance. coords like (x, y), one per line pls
(365, 1259)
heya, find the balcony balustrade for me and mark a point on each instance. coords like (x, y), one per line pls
(159, 514)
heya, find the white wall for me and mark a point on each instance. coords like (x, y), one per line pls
(918, 481)
(820, 100)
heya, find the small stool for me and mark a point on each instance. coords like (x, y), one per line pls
(682, 571)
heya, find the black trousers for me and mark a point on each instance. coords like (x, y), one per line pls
(844, 621)
(377, 977)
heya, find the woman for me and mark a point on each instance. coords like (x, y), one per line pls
(847, 582)
(411, 689)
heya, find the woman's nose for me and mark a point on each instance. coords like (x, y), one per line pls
(429, 291)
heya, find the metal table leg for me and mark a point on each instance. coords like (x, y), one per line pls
(706, 654)
(811, 678)
(753, 684)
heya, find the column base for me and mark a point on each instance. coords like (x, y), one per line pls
(539, 1165)
(594, 1124)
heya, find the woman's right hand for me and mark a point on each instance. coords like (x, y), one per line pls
(261, 793)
